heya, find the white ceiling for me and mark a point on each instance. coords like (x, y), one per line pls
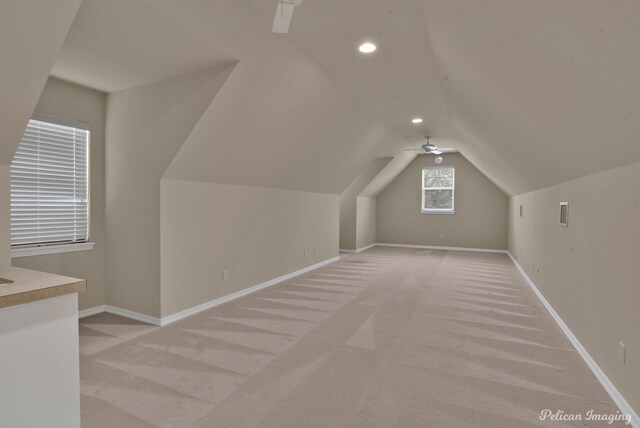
(540, 92)
(118, 44)
(31, 35)
(396, 83)
(533, 93)
(280, 120)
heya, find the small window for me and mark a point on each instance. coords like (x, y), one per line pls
(50, 185)
(438, 190)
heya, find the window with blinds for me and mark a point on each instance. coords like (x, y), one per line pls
(50, 184)
(438, 190)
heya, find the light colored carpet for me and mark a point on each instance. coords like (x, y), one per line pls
(386, 338)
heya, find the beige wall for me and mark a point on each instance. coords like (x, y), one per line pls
(146, 126)
(66, 100)
(257, 234)
(589, 271)
(349, 205)
(348, 221)
(366, 221)
(480, 220)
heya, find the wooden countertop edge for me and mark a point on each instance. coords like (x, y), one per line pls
(42, 293)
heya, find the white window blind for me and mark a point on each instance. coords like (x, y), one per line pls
(50, 185)
(438, 190)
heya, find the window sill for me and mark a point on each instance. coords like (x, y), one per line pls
(437, 212)
(51, 249)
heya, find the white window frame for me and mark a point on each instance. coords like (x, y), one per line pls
(62, 247)
(451, 210)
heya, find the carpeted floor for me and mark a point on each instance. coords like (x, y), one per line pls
(386, 338)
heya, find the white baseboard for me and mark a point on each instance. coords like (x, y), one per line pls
(359, 250)
(119, 311)
(133, 315)
(194, 310)
(435, 247)
(91, 311)
(597, 371)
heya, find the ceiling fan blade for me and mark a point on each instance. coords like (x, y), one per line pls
(411, 150)
(435, 152)
(284, 12)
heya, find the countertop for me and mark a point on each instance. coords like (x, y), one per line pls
(30, 285)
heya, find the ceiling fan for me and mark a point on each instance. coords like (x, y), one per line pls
(284, 12)
(429, 148)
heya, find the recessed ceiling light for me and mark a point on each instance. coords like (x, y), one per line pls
(367, 47)
(416, 120)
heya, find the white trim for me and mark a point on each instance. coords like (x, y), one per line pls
(119, 311)
(194, 310)
(133, 315)
(451, 210)
(597, 371)
(359, 250)
(435, 247)
(436, 211)
(91, 311)
(51, 249)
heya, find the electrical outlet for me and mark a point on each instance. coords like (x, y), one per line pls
(306, 253)
(621, 353)
(315, 251)
(225, 275)
(537, 269)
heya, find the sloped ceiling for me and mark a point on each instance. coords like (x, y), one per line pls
(31, 35)
(540, 92)
(280, 120)
(391, 170)
(118, 44)
(289, 129)
(532, 92)
(398, 82)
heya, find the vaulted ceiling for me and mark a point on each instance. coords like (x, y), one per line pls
(532, 92)
(540, 92)
(31, 35)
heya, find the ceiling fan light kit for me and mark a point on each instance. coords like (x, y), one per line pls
(430, 149)
(281, 22)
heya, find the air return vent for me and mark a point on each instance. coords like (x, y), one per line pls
(564, 214)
